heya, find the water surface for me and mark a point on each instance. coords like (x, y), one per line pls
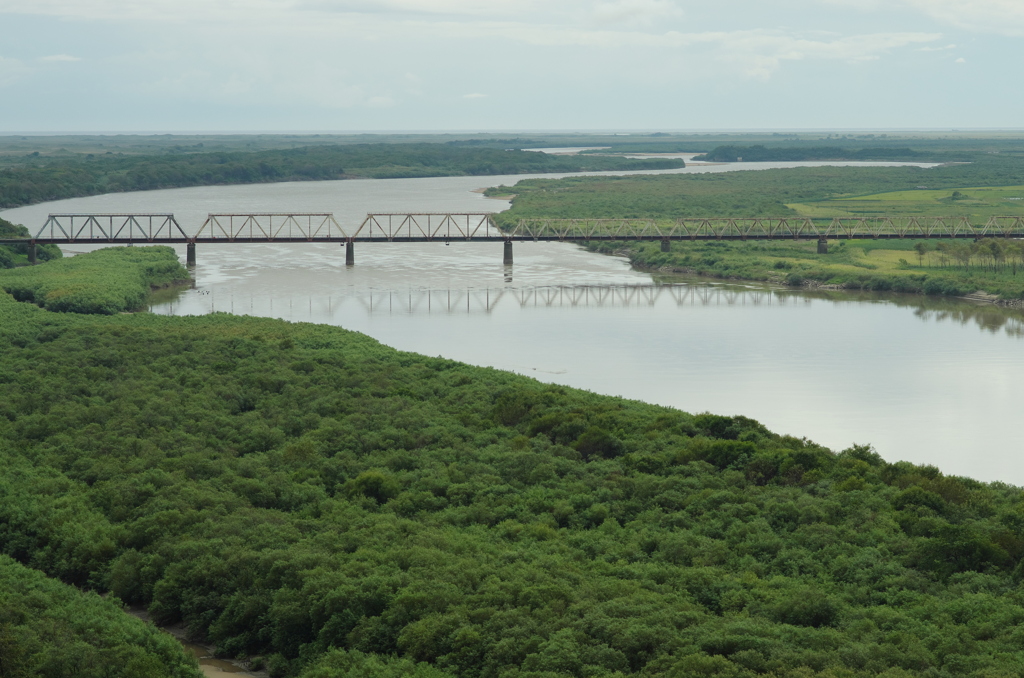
(934, 382)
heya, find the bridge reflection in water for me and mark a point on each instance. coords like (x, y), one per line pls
(369, 301)
(482, 300)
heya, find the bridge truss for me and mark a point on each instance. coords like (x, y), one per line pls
(67, 228)
(481, 226)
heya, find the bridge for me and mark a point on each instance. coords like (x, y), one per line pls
(294, 227)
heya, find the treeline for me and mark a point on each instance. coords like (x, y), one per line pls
(759, 153)
(305, 494)
(58, 178)
(52, 630)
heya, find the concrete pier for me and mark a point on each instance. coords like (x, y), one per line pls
(508, 253)
(666, 246)
(822, 246)
(350, 253)
(190, 254)
(32, 253)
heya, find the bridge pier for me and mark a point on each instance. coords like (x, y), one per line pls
(822, 246)
(666, 246)
(350, 253)
(190, 254)
(32, 253)
(507, 259)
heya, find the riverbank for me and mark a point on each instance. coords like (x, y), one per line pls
(304, 493)
(993, 268)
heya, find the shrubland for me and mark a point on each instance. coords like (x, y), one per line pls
(750, 193)
(339, 508)
(109, 280)
(50, 630)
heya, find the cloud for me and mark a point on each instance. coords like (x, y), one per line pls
(469, 8)
(1003, 17)
(475, 95)
(59, 58)
(636, 12)
(961, 60)
(12, 70)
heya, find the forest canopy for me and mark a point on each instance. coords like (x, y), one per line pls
(51, 630)
(305, 494)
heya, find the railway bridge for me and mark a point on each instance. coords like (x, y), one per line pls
(298, 227)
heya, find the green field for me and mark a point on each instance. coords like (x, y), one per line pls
(977, 202)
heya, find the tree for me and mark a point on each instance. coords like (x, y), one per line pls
(963, 253)
(921, 247)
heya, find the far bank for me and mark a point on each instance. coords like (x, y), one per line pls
(990, 269)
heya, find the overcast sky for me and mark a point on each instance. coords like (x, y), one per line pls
(346, 65)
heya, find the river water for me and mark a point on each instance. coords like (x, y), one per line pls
(929, 381)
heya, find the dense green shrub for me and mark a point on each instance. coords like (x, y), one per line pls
(51, 630)
(339, 508)
(106, 281)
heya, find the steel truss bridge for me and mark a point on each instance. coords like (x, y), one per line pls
(287, 227)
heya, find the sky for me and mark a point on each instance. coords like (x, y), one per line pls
(426, 65)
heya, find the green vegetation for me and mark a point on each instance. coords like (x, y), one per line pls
(980, 190)
(761, 153)
(339, 508)
(36, 179)
(768, 193)
(917, 266)
(18, 148)
(977, 202)
(52, 630)
(17, 255)
(109, 280)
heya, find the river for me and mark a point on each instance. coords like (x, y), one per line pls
(928, 381)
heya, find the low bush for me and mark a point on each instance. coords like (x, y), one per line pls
(106, 281)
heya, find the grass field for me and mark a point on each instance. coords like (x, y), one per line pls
(978, 202)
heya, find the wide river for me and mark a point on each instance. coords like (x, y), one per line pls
(929, 381)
